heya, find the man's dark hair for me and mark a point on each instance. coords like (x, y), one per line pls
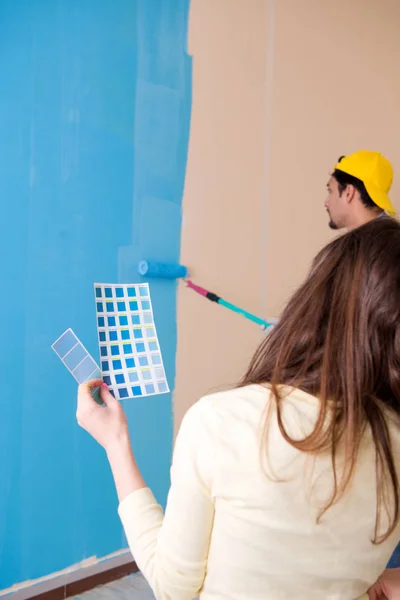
(344, 179)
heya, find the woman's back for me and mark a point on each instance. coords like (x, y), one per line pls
(266, 541)
(281, 493)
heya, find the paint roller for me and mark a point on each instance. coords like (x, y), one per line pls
(175, 271)
(161, 270)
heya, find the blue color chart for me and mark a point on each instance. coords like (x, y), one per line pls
(131, 360)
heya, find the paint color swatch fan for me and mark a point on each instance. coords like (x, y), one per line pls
(130, 356)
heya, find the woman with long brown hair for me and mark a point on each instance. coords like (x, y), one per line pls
(288, 485)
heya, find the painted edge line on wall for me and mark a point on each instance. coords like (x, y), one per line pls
(86, 568)
(269, 78)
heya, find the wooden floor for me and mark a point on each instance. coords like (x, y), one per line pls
(133, 587)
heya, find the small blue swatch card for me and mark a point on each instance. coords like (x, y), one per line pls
(75, 357)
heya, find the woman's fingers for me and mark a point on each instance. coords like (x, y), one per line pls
(85, 388)
(85, 396)
(376, 592)
(104, 423)
(107, 397)
(86, 403)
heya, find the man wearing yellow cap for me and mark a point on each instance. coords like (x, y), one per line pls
(358, 189)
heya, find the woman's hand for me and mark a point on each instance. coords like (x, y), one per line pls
(387, 586)
(107, 424)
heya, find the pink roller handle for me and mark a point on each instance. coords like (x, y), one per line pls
(196, 288)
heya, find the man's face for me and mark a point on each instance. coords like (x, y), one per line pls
(336, 205)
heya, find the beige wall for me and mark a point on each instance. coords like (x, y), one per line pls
(336, 89)
(281, 88)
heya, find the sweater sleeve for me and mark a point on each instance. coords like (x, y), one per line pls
(172, 550)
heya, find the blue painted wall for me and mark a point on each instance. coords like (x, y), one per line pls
(94, 124)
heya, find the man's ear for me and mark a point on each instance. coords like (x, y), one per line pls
(349, 193)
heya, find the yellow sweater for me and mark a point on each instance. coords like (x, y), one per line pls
(233, 532)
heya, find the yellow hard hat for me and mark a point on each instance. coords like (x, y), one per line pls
(376, 173)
